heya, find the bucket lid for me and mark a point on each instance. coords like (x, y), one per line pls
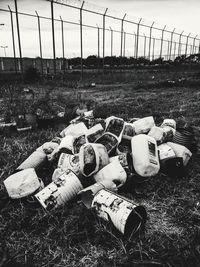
(22, 183)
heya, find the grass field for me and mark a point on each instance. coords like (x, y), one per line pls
(75, 236)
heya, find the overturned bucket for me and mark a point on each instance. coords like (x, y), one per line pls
(92, 158)
(124, 214)
(113, 172)
(60, 191)
(36, 160)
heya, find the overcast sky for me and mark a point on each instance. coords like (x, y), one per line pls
(179, 14)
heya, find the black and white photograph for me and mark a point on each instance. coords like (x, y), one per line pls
(99, 133)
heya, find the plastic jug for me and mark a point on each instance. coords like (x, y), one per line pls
(157, 133)
(181, 151)
(143, 125)
(145, 155)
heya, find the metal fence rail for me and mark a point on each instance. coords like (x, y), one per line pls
(157, 42)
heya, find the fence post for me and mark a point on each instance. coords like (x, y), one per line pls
(111, 42)
(122, 33)
(145, 41)
(174, 50)
(170, 52)
(179, 46)
(161, 44)
(194, 44)
(104, 22)
(150, 40)
(19, 40)
(124, 52)
(63, 44)
(187, 45)
(98, 45)
(168, 47)
(13, 38)
(53, 37)
(40, 42)
(138, 33)
(81, 38)
(153, 49)
(135, 44)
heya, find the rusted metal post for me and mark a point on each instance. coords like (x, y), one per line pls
(63, 44)
(104, 22)
(138, 34)
(13, 38)
(194, 40)
(122, 33)
(81, 38)
(161, 42)
(19, 40)
(170, 51)
(53, 37)
(179, 46)
(150, 34)
(187, 44)
(40, 42)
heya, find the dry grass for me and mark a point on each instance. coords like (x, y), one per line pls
(73, 235)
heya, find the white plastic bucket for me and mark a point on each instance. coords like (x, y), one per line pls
(78, 141)
(170, 123)
(74, 129)
(67, 142)
(22, 183)
(165, 152)
(115, 126)
(94, 132)
(145, 155)
(69, 162)
(125, 216)
(92, 158)
(35, 160)
(122, 158)
(143, 125)
(60, 191)
(113, 172)
(110, 141)
(181, 151)
(157, 133)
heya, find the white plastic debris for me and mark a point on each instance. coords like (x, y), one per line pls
(22, 183)
(143, 125)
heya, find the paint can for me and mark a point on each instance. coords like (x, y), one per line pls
(86, 195)
(124, 214)
(60, 191)
(92, 158)
(143, 125)
(110, 142)
(185, 136)
(113, 172)
(69, 162)
(145, 155)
